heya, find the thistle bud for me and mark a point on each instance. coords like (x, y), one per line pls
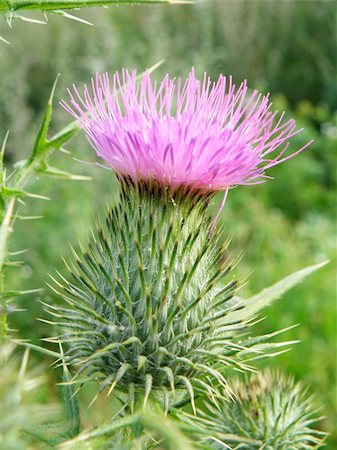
(270, 411)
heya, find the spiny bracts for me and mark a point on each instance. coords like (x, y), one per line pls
(270, 411)
(149, 299)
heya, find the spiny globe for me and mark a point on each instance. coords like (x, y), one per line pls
(271, 412)
(148, 299)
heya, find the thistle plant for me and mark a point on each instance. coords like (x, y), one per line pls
(149, 308)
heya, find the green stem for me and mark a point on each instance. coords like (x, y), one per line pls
(5, 230)
(18, 181)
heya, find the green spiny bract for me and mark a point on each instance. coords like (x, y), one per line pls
(148, 301)
(270, 412)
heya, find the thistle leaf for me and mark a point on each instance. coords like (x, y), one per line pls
(56, 5)
(58, 173)
(2, 153)
(71, 17)
(2, 39)
(6, 295)
(252, 305)
(63, 136)
(41, 139)
(9, 192)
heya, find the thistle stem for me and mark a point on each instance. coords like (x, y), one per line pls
(5, 230)
(19, 182)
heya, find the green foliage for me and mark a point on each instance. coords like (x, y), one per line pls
(142, 431)
(270, 412)
(11, 190)
(19, 390)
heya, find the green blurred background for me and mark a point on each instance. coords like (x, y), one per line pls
(287, 48)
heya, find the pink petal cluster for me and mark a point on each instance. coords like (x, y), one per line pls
(199, 134)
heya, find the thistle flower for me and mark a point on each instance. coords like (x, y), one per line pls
(270, 411)
(195, 134)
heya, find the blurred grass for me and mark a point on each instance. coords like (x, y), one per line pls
(283, 47)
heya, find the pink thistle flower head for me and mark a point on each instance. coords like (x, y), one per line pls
(202, 135)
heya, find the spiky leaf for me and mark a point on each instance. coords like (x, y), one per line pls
(264, 298)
